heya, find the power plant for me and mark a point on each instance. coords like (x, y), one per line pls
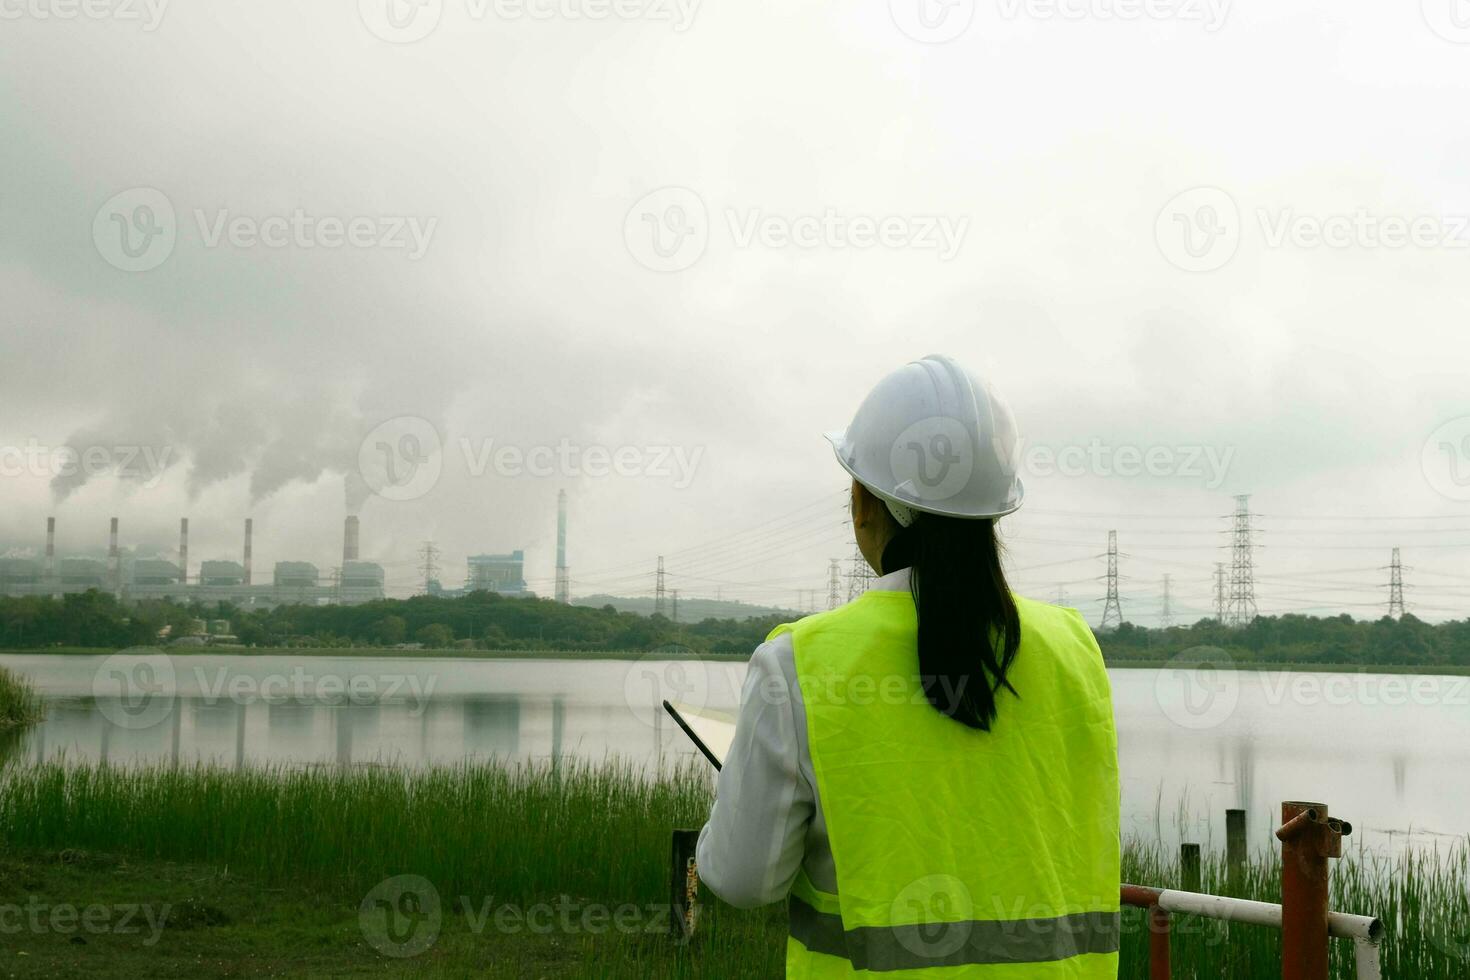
(132, 579)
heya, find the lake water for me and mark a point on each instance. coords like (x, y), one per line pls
(1390, 753)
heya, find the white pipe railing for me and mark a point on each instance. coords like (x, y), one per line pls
(1365, 931)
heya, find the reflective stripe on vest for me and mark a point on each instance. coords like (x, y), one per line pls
(959, 853)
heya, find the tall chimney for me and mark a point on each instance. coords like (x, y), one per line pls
(183, 551)
(563, 580)
(349, 539)
(50, 550)
(249, 528)
(114, 560)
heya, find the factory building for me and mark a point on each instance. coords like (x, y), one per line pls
(221, 574)
(296, 575)
(132, 579)
(497, 573)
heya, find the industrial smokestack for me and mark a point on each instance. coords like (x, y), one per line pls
(183, 551)
(50, 549)
(114, 559)
(249, 529)
(563, 580)
(349, 540)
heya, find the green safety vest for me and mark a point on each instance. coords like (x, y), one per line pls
(959, 852)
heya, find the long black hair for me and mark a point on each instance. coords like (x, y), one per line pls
(969, 629)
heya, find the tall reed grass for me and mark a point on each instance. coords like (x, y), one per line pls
(20, 705)
(601, 833)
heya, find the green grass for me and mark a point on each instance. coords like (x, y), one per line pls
(290, 853)
(20, 705)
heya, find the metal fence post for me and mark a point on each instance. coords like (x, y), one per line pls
(1309, 837)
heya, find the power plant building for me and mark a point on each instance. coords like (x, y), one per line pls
(497, 573)
(132, 578)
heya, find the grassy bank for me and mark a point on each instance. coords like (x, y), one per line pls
(19, 704)
(278, 862)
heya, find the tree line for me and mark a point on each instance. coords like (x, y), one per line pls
(487, 621)
(478, 621)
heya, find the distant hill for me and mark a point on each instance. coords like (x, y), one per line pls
(690, 610)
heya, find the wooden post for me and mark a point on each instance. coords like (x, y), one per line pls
(683, 886)
(1189, 869)
(1235, 841)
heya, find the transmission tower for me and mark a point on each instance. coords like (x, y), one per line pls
(860, 576)
(658, 588)
(1061, 595)
(675, 595)
(1166, 613)
(1395, 586)
(429, 565)
(1220, 601)
(833, 585)
(1242, 607)
(1112, 611)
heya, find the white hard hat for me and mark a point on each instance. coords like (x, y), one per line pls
(933, 437)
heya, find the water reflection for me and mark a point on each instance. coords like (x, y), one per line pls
(1178, 779)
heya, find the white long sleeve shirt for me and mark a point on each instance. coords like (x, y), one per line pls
(766, 823)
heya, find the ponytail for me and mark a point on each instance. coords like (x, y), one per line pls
(968, 626)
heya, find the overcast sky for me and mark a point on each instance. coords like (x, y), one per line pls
(278, 244)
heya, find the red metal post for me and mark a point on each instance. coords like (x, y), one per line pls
(1158, 944)
(1143, 897)
(1308, 839)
